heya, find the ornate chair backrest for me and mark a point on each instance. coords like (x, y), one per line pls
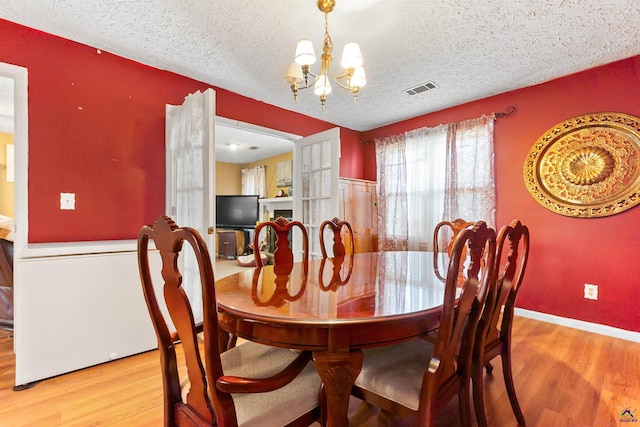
(466, 290)
(336, 225)
(441, 241)
(511, 262)
(202, 366)
(283, 257)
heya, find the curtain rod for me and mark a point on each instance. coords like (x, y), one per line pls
(508, 111)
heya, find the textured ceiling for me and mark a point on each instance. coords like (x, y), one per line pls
(471, 49)
(241, 143)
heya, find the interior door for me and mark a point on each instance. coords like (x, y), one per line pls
(190, 154)
(316, 168)
(190, 178)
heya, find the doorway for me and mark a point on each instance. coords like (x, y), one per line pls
(13, 140)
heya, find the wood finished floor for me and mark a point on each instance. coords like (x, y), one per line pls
(564, 377)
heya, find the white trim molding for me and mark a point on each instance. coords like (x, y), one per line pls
(596, 328)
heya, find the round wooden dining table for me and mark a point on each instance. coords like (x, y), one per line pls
(334, 307)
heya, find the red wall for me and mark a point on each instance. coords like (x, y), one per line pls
(97, 129)
(111, 154)
(565, 252)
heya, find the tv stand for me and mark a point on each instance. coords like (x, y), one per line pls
(227, 244)
(232, 242)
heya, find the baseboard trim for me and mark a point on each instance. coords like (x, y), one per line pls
(580, 324)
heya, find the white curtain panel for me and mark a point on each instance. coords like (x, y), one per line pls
(470, 180)
(426, 171)
(254, 181)
(392, 193)
(187, 138)
(432, 174)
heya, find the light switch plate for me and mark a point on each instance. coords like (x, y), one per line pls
(68, 201)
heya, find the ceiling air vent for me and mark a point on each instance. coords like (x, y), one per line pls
(253, 147)
(422, 87)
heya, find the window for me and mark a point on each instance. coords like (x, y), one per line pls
(431, 174)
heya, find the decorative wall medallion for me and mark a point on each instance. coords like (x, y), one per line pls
(587, 166)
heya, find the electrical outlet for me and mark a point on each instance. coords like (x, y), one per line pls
(590, 291)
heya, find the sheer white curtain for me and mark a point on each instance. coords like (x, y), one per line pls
(426, 174)
(392, 193)
(254, 181)
(431, 174)
(470, 192)
(187, 139)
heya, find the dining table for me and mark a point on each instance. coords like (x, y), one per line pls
(335, 308)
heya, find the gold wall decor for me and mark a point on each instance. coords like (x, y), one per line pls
(587, 166)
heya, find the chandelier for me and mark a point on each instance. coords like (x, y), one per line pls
(299, 71)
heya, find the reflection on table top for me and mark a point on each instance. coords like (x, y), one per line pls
(358, 288)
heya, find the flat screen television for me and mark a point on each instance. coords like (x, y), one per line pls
(237, 211)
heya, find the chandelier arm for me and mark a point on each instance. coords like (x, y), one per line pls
(312, 82)
(343, 86)
(347, 74)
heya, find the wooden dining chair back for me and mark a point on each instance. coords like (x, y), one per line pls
(493, 336)
(249, 385)
(416, 379)
(283, 257)
(336, 226)
(444, 235)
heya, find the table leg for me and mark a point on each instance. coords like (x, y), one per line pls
(338, 372)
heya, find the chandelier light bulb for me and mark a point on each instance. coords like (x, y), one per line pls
(358, 79)
(351, 56)
(322, 86)
(305, 55)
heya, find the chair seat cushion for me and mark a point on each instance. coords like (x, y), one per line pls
(395, 372)
(275, 408)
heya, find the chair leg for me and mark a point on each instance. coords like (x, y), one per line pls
(226, 341)
(464, 405)
(478, 397)
(489, 368)
(233, 339)
(508, 382)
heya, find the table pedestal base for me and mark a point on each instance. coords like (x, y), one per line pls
(338, 372)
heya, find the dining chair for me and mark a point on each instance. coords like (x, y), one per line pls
(336, 225)
(283, 256)
(493, 337)
(417, 378)
(248, 385)
(442, 241)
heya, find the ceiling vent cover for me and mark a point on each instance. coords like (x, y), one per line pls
(253, 147)
(422, 87)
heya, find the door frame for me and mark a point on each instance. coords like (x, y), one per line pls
(21, 156)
